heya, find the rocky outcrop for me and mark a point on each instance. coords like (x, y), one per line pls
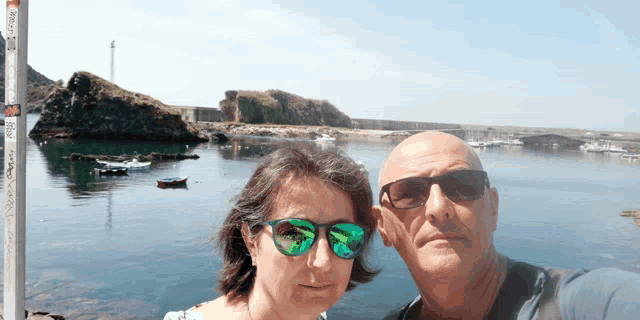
(91, 107)
(279, 107)
(153, 156)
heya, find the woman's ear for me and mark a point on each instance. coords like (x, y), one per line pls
(376, 211)
(248, 241)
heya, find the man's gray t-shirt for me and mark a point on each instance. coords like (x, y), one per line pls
(533, 293)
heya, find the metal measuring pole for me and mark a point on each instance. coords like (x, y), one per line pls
(15, 158)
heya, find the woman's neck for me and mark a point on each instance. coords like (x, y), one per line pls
(262, 306)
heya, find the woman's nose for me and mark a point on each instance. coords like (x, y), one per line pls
(320, 255)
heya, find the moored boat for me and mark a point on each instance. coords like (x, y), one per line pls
(133, 164)
(325, 137)
(630, 155)
(109, 171)
(175, 181)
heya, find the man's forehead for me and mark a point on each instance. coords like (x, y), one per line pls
(427, 150)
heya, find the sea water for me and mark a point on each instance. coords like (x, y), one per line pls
(121, 246)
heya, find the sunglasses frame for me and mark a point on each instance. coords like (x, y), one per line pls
(430, 181)
(317, 227)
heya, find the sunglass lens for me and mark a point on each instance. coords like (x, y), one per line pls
(467, 185)
(294, 237)
(347, 239)
(408, 193)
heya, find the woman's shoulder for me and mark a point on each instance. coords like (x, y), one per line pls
(221, 308)
(196, 312)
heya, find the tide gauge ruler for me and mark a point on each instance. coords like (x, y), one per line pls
(15, 156)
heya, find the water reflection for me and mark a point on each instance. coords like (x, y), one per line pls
(83, 182)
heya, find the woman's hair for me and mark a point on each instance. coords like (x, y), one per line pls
(254, 204)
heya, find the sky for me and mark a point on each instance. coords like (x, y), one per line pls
(556, 64)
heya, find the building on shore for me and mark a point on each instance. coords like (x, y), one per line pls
(551, 139)
(195, 114)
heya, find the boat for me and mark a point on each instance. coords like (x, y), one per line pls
(615, 149)
(477, 144)
(325, 137)
(516, 142)
(630, 155)
(133, 164)
(175, 181)
(110, 171)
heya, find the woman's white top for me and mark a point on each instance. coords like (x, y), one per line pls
(192, 315)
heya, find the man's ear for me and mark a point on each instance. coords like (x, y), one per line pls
(495, 203)
(377, 214)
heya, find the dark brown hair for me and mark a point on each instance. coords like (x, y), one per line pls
(253, 205)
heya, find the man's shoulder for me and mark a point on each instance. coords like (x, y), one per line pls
(402, 312)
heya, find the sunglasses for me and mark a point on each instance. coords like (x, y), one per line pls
(462, 185)
(295, 237)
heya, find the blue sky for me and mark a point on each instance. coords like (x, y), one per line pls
(567, 63)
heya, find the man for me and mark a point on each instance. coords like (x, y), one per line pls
(439, 212)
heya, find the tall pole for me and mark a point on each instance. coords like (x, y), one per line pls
(15, 156)
(113, 49)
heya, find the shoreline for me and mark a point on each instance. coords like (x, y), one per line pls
(629, 139)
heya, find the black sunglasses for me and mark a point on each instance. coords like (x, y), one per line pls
(295, 237)
(461, 185)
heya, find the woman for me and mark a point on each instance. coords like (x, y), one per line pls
(293, 242)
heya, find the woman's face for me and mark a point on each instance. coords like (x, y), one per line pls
(316, 280)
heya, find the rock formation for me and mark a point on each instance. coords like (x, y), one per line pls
(91, 107)
(279, 107)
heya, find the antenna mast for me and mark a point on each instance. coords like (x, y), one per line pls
(113, 49)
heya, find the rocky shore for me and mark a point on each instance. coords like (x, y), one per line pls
(635, 214)
(155, 156)
(289, 131)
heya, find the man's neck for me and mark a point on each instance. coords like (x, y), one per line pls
(469, 296)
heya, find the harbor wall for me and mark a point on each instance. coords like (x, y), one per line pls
(377, 124)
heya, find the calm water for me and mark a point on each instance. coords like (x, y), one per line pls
(120, 245)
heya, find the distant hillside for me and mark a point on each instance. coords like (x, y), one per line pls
(279, 107)
(39, 85)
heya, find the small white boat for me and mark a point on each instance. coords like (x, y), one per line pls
(133, 164)
(615, 149)
(325, 137)
(630, 155)
(477, 144)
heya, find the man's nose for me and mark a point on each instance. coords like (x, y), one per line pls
(320, 254)
(438, 206)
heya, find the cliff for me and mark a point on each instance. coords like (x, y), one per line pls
(279, 107)
(91, 107)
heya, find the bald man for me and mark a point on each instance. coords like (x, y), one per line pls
(439, 211)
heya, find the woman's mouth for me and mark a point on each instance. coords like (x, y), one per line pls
(317, 288)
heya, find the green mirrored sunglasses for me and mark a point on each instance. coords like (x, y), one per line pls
(295, 237)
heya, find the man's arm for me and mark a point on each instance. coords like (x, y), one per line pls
(607, 293)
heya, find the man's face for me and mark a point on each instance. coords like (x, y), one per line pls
(443, 238)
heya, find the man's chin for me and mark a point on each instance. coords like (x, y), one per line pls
(438, 266)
